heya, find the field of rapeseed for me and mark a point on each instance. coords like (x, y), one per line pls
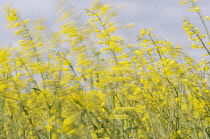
(100, 87)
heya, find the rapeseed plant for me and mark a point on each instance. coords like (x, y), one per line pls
(100, 86)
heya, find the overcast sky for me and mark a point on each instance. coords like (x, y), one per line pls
(164, 16)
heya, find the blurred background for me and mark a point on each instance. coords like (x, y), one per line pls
(164, 16)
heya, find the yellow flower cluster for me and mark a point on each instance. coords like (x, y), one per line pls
(85, 81)
(194, 34)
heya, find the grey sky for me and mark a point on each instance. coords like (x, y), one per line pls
(164, 16)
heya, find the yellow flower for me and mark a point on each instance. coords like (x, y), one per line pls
(203, 36)
(207, 18)
(194, 46)
(195, 9)
(183, 2)
(48, 127)
(179, 132)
